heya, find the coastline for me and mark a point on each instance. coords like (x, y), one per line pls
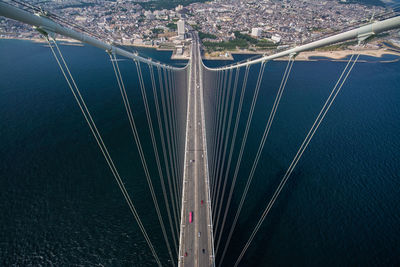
(341, 54)
(336, 55)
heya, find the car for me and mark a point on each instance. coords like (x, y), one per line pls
(199, 234)
(202, 202)
(191, 217)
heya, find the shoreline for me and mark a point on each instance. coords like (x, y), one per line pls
(341, 54)
(336, 55)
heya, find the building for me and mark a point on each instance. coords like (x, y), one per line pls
(256, 32)
(276, 38)
(149, 15)
(178, 8)
(181, 29)
(179, 50)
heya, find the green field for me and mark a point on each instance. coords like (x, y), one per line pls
(241, 41)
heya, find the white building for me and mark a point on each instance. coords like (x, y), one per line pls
(178, 8)
(276, 38)
(181, 28)
(256, 32)
(179, 49)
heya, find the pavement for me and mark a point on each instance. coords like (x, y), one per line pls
(196, 239)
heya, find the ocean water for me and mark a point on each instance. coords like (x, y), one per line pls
(341, 204)
(60, 205)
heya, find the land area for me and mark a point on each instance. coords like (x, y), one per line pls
(342, 54)
(224, 27)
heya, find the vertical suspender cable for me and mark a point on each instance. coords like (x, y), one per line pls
(173, 116)
(235, 85)
(250, 116)
(85, 111)
(141, 153)
(166, 202)
(166, 161)
(239, 112)
(213, 125)
(174, 135)
(209, 83)
(177, 143)
(177, 131)
(138, 144)
(215, 121)
(218, 136)
(228, 90)
(314, 128)
(170, 135)
(265, 135)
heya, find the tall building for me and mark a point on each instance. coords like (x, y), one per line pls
(181, 28)
(178, 8)
(256, 32)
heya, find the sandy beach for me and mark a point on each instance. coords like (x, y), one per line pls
(337, 55)
(309, 55)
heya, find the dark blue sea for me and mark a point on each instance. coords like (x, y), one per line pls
(60, 205)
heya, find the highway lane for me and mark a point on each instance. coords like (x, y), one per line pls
(196, 248)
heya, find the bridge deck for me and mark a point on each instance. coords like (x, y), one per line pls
(196, 245)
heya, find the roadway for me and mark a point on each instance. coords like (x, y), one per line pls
(196, 240)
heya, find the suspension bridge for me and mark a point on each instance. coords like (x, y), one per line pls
(194, 132)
